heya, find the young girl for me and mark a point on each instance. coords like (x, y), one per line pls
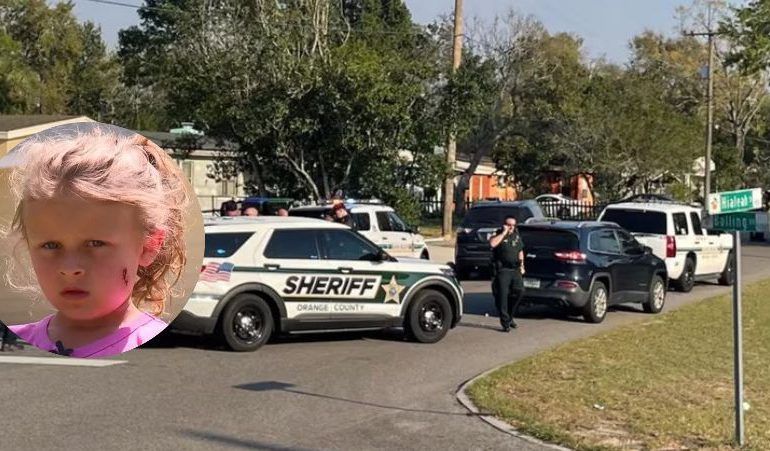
(102, 217)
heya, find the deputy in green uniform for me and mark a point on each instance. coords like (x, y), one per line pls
(507, 269)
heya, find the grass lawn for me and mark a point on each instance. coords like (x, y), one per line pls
(430, 227)
(665, 383)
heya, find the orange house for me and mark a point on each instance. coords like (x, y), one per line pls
(486, 182)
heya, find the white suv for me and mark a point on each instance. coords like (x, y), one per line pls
(675, 233)
(291, 275)
(381, 224)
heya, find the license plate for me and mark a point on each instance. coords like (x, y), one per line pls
(531, 283)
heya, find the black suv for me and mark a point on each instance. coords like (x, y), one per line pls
(472, 251)
(590, 266)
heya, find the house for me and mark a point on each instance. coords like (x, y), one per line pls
(577, 186)
(15, 129)
(193, 151)
(486, 182)
(196, 154)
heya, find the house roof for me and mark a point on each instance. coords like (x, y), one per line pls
(23, 125)
(10, 122)
(166, 140)
(466, 157)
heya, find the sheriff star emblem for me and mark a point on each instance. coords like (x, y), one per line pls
(392, 291)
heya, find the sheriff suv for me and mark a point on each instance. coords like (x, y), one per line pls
(379, 223)
(589, 266)
(676, 234)
(269, 275)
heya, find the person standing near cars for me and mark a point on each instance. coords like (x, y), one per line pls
(507, 269)
(340, 215)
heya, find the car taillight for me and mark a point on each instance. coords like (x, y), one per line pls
(670, 246)
(572, 256)
(568, 284)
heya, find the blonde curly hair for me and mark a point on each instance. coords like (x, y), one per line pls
(101, 164)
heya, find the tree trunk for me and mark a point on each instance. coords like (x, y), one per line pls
(256, 174)
(300, 171)
(740, 145)
(324, 176)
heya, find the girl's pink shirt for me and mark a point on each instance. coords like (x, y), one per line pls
(125, 338)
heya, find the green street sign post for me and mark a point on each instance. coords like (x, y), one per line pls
(731, 211)
(735, 201)
(742, 222)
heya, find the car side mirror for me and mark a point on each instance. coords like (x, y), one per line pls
(382, 256)
(647, 249)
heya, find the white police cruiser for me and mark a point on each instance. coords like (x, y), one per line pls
(268, 275)
(378, 222)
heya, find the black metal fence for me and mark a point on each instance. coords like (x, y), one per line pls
(572, 210)
(564, 210)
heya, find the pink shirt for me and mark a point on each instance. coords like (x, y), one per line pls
(127, 337)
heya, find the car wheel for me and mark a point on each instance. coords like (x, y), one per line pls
(598, 300)
(425, 255)
(728, 273)
(429, 317)
(246, 323)
(657, 295)
(686, 281)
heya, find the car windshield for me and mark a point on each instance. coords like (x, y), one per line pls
(535, 238)
(493, 216)
(637, 221)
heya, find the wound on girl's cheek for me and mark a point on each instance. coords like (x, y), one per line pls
(125, 276)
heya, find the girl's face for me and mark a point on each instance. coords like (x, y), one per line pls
(85, 253)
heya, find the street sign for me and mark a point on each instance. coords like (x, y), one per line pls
(742, 222)
(735, 201)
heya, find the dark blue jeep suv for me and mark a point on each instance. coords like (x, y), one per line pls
(590, 266)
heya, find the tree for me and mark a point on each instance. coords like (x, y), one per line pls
(316, 95)
(748, 28)
(61, 66)
(18, 82)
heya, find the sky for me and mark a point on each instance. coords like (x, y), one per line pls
(606, 26)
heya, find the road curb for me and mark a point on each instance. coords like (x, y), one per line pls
(502, 426)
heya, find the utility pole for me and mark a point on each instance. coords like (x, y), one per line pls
(709, 103)
(451, 150)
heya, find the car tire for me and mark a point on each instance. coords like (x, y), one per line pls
(728, 273)
(595, 309)
(246, 323)
(657, 295)
(428, 317)
(686, 281)
(425, 255)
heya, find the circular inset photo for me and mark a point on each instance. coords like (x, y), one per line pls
(101, 238)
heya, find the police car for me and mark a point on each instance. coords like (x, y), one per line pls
(378, 222)
(268, 275)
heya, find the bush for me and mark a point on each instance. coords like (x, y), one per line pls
(405, 203)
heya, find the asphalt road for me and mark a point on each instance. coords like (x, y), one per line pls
(342, 391)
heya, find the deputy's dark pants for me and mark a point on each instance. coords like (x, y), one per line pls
(508, 288)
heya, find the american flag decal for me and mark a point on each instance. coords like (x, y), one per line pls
(215, 272)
